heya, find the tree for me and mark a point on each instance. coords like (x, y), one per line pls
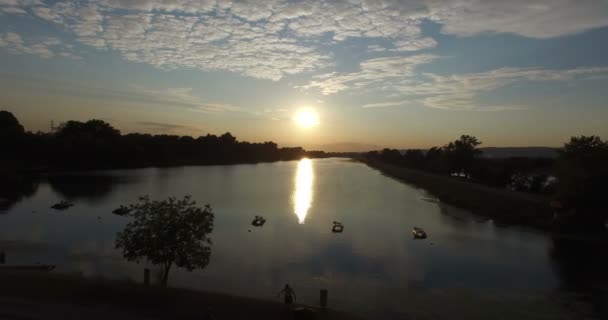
(92, 131)
(228, 139)
(13, 142)
(91, 144)
(461, 154)
(582, 173)
(391, 156)
(413, 158)
(95, 144)
(10, 128)
(167, 232)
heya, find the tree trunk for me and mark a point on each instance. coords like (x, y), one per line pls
(166, 274)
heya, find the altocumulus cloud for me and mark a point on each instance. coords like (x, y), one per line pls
(272, 39)
(46, 47)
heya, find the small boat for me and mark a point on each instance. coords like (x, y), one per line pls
(258, 221)
(418, 233)
(62, 205)
(338, 227)
(121, 211)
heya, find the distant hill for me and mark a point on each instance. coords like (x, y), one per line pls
(527, 152)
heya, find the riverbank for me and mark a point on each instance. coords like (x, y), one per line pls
(142, 301)
(34, 296)
(503, 206)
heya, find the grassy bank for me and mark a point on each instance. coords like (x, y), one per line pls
(169, 303)
(504, 206)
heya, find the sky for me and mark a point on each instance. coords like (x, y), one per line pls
(383, 73)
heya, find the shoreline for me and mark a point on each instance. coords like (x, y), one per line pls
(28, 295)
(136, 298)
(501, 205)
(41, 171)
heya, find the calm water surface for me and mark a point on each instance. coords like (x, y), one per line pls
(374, 266)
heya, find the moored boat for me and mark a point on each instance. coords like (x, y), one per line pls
(121, 211)
(258, 221)
(419, 233)
(338, 227)
(62, 205)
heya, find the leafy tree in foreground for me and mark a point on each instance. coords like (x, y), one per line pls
(167, 232)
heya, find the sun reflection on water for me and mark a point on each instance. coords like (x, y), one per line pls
(302, 195)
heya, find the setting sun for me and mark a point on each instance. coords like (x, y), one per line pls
(307, 118)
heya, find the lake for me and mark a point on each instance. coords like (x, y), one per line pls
(374, 268)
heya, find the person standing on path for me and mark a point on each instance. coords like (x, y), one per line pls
(290, 295)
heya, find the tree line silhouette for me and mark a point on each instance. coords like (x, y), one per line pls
(96, 144)
(462, 158)
(576, 179)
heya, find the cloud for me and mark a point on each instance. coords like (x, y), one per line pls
(44, 47)
(55, 14)
(17, 3)
(260, 39)
(88, 26)
(184, 6)
(176, 97)
(157, 33)
(384, 104)
(13, 10)
(373, 71)
(501, 108)
(529, 18)
(168, 128)
(273, 39)
(375, 48)
(459, 92)
(415, 44)
(345, 19)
